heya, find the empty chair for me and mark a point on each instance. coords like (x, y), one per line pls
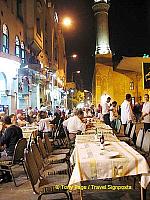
(49, 147)
(70, 143)
(118, 125)
(128, 129)
(132, 131)
(132, 135)
(49, 157)
(47, 169)
(139, 139)
(146, 142)
(41, 185)
(126, 138)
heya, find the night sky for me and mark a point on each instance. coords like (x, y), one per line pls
(129, 27)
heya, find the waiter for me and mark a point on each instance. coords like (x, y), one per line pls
(106, 111)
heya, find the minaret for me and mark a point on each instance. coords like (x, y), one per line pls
(101, 8)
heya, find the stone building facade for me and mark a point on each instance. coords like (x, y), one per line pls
(30, 37)
(115, 82)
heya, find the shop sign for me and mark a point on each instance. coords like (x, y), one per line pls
(146, 75)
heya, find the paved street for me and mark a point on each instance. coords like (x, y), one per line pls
(24, 192)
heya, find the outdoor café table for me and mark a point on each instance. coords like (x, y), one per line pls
(28, 131)
(91, 162)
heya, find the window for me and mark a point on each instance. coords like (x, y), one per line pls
(22, 52)
(39, 15)
(20, 10)
(38, 25)
(45, 26)
(17, 47)
(5, 42)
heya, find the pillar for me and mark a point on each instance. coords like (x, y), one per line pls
(100, 9)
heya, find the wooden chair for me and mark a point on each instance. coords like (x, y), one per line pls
(44, 186)
(70, 144)
(126, 137)
(50, 150)
(18, 158)
(49, 157)
(139, 139)
(133, 137)
(146, 143)
(47, 169)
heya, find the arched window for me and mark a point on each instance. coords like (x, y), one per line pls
(22, 52)
(5, 39)
(38, 16)
(17, 46)
(20, 9)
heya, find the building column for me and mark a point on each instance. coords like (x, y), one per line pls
(100, 9)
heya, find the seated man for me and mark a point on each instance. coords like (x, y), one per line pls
(21, 120)
(44, 124)
(10, 136)
(74, 124)
(87, 112)
(8, 141)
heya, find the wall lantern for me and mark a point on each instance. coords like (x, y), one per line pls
(131, 85)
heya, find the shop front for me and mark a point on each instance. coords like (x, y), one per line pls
(28, 87)
(9, 66)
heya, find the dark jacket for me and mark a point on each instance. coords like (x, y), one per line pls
(10, 137)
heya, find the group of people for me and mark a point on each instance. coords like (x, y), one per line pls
(127, 113)
(10, 131)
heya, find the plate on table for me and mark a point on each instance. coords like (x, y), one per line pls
(112, 154)
(106, 143)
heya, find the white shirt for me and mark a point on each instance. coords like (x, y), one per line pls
(74, 124)
(126, 112)
(44, 125)
(87, 114)
(105, 108)
(146, 109)
(113, 113)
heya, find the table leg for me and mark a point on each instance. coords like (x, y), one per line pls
(143, 194)
(81, 194)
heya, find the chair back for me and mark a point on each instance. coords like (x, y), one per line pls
(41, 148)
(32, 169)
(67, 136)
(128, 129)
(29, 142)
(132, 131)
(18, 155)
(48, 144)
(57, 129)
(118, 125)
(139, 139)
(146, 142)
(37, 156)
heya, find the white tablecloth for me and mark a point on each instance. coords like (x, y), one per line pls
(92, 163)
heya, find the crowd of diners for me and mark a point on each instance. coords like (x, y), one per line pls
(75, 120)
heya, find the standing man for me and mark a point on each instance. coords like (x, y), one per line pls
(146, 113)
(113, 115)
(126, 111)
(106, 111)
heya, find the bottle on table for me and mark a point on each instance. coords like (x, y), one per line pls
(102, 138)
